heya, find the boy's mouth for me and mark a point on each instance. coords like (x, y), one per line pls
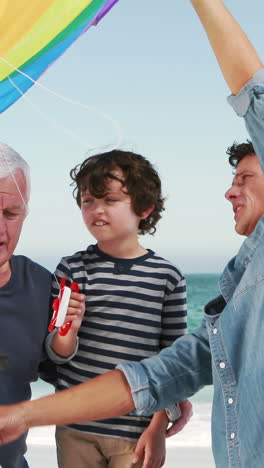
(99, 223)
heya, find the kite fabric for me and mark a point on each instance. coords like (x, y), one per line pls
(34, 34)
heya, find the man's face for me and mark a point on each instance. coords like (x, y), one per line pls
(12, 215)
(247, 194)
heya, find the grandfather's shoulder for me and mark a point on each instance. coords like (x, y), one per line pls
(27, 267)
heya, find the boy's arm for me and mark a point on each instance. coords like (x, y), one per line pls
(65, 345)
(174, 325)
(151, 444)
(236, 56)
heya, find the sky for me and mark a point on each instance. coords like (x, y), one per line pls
(150, 69)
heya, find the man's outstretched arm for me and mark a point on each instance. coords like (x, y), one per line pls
(236, 55)
(101, 398)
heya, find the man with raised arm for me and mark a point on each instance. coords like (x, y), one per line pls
(227, 349)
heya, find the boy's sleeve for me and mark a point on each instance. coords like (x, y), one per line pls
(174, 321)
(62, 271)
(47, 369)
(174, 313)
(249, 103)
(54, 357)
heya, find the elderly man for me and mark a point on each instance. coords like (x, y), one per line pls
(24, 299)
(227, 349)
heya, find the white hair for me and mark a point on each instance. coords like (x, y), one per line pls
(10, 161)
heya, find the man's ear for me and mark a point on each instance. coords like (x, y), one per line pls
(147, 212)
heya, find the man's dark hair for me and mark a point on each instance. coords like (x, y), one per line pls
(141, 182)
(238, 151)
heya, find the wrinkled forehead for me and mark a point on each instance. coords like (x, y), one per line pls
(13, 188)
(249, 162)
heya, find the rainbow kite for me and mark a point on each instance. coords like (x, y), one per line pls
(34, 34)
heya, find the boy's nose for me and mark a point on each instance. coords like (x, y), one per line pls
(99, 206)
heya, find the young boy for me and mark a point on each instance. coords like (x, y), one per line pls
(135, 306)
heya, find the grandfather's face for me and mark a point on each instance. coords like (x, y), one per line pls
(247, 194)
(12, 215)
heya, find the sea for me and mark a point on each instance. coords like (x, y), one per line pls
(201, 288)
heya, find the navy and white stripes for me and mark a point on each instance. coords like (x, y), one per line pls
(134, 308)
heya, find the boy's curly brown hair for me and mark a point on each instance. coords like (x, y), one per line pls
(141, 181)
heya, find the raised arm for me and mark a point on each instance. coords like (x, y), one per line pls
(236, 56)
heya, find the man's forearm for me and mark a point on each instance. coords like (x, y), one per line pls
(237, 57)
(103, 397)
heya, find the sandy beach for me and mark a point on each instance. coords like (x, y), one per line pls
(189, 449)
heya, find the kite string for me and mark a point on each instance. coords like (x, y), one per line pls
(51, 120)
(17, 186)
(101, 114)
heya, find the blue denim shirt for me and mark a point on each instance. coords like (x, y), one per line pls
(227, 350)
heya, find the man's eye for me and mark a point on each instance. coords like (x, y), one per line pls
(10, 215)
(110, 200)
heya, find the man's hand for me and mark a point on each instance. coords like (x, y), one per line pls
(12, 423)
(187, 412)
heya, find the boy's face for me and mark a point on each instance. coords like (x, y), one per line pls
(111, 219)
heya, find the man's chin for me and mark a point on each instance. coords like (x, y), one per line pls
(241, 229)
(244, 230)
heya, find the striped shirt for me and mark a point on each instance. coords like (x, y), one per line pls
(134, 308)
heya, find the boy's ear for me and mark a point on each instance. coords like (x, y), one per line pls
(147, 212)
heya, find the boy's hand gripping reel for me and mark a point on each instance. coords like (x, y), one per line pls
(60, 307)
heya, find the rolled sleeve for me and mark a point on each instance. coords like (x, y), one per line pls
(241, 101)
(249, 103)
(175, 374)
(54, 357)
(139, 385)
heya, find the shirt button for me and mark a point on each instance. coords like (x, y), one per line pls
(232, 435)
(215, 331)
(222, 365)
(230, 401)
